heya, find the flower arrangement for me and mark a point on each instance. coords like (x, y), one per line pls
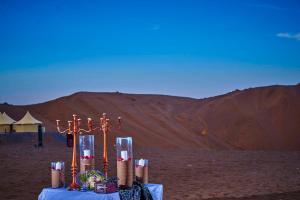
(89, 178)
(95, 180)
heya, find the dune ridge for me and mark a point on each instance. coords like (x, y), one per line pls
(263, 118)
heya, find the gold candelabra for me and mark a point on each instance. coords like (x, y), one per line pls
(74, 131)
(105, 126)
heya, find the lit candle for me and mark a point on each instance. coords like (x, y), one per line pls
(90, 124)
(142, 162)
(58, 166)
(86, 153)
(124, 155)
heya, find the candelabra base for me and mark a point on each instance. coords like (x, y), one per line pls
(74, 186)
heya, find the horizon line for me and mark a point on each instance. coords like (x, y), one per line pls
(154, 94)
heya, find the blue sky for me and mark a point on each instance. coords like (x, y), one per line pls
(186, 48)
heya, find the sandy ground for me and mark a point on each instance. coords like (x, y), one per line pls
(185, 174)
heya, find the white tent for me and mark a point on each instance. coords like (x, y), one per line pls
(27, 124)
(8, 118)
(5, 123)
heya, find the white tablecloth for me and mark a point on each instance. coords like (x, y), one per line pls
(156, 191)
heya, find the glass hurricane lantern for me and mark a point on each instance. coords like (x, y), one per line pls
(87, 154)
(124, 162)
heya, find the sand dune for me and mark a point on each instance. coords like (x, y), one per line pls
(185, 174)
(264, 118)
(198, 148)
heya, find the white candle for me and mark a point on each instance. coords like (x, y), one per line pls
(142, 162)
(124, 155)
(58, 166)
(87, 153)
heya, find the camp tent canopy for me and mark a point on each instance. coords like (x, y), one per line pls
(27, 124)
(28, 119)
(8, 118)
(2, 121)
(5, 123)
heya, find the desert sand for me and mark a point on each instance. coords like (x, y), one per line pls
(185, 173)
(241, 145)
(265, 118)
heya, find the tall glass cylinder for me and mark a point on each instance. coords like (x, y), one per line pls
(124, 161)
(57, 174)
(87, 154)
(142, 171)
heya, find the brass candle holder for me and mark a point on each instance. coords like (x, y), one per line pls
(105, 126)
(74, 131)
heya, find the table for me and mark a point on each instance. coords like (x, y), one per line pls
(156, 191)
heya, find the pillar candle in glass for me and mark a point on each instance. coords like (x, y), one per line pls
(141, 171)
(124, 162)
(87, 156)
(57, 174)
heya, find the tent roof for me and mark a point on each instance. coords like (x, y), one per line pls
(28, 119)
(4, 120)
(8, 118)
